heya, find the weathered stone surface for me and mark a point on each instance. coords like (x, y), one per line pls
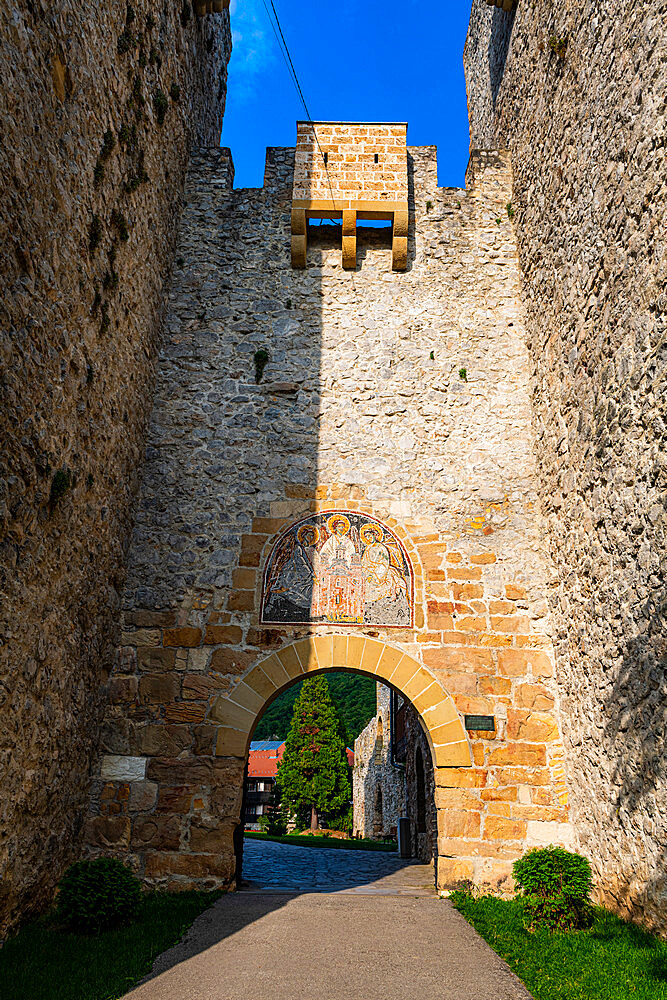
(427, 429)
(378, 783)
(586, 129)
(159, 833)
(87, 227)
(108, 831)
(231, 661)
(143, 796)
(122, 768)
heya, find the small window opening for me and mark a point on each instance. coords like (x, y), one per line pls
(326, 158)
(377, 158)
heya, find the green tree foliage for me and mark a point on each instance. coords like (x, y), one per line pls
(352, 694)
(556, 886)
(313, 774)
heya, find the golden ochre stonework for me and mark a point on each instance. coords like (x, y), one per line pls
(193, 685)
(350, 171)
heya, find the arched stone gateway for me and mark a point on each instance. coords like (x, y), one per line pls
(374, 513)
(238, 712)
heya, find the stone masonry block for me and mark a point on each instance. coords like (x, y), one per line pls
(143, 796)
(248, 698)
(232, 716)
(305, 650)
(275, 671)
(184, 636)
(290, 661)
(231, 661)
(392, 665)
(230, 635)
(108, 831)
(453, 755)
(231, 743)
(260, 683)
(501, 828)
(121, 768)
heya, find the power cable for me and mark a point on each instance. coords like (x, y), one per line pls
(273, 28)
(298, 86)
(285, 52)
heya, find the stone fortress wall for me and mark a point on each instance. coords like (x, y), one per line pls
(100, 104)
(576, 93)
(403, 792)
(375, 771)
(402, 396)
(87, 248)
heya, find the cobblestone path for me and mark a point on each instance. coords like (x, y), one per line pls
(270, 866)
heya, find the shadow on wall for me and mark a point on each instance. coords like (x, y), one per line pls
(499, 43)
(420, 790)
(635, 733)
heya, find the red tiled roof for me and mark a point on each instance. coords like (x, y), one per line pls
(264, 763)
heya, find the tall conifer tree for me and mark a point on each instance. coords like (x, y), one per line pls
(313, 774)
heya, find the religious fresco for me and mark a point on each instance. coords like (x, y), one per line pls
(338, 567)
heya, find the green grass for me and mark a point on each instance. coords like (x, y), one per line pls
(326, 842)
(45, 962)
(612, 960)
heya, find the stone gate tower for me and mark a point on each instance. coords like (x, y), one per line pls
(351, 171)
(339, 474)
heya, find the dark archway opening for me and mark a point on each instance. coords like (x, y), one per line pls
(421, 791)
(378, 821)
(272, 857)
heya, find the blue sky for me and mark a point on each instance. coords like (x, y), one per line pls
(357, 60)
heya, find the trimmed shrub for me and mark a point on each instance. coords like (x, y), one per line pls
(555, 887)
(98, 894)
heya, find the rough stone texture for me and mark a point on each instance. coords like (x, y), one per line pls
(77, 360)
(586, 124)
(403, 396)
(423, 826)
(375, 773)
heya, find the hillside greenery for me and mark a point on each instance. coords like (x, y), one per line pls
(352, 694)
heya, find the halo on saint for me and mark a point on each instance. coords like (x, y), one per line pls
(338, 519)
(338, 567)
(308, 534)
(371, 533)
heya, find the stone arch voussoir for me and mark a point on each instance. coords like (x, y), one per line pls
(236, 712)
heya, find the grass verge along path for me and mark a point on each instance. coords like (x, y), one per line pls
(612, 960)
(327, 842)
(46, 962)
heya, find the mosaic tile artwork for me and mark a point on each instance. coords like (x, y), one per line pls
(338, 567)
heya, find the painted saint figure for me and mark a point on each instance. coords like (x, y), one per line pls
(338, 546)
(290, 591)
(340, 567)
(382, 569)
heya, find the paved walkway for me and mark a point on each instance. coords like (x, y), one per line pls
(269, 866)
(394, 941)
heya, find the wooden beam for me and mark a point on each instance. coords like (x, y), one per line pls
(349, 239)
